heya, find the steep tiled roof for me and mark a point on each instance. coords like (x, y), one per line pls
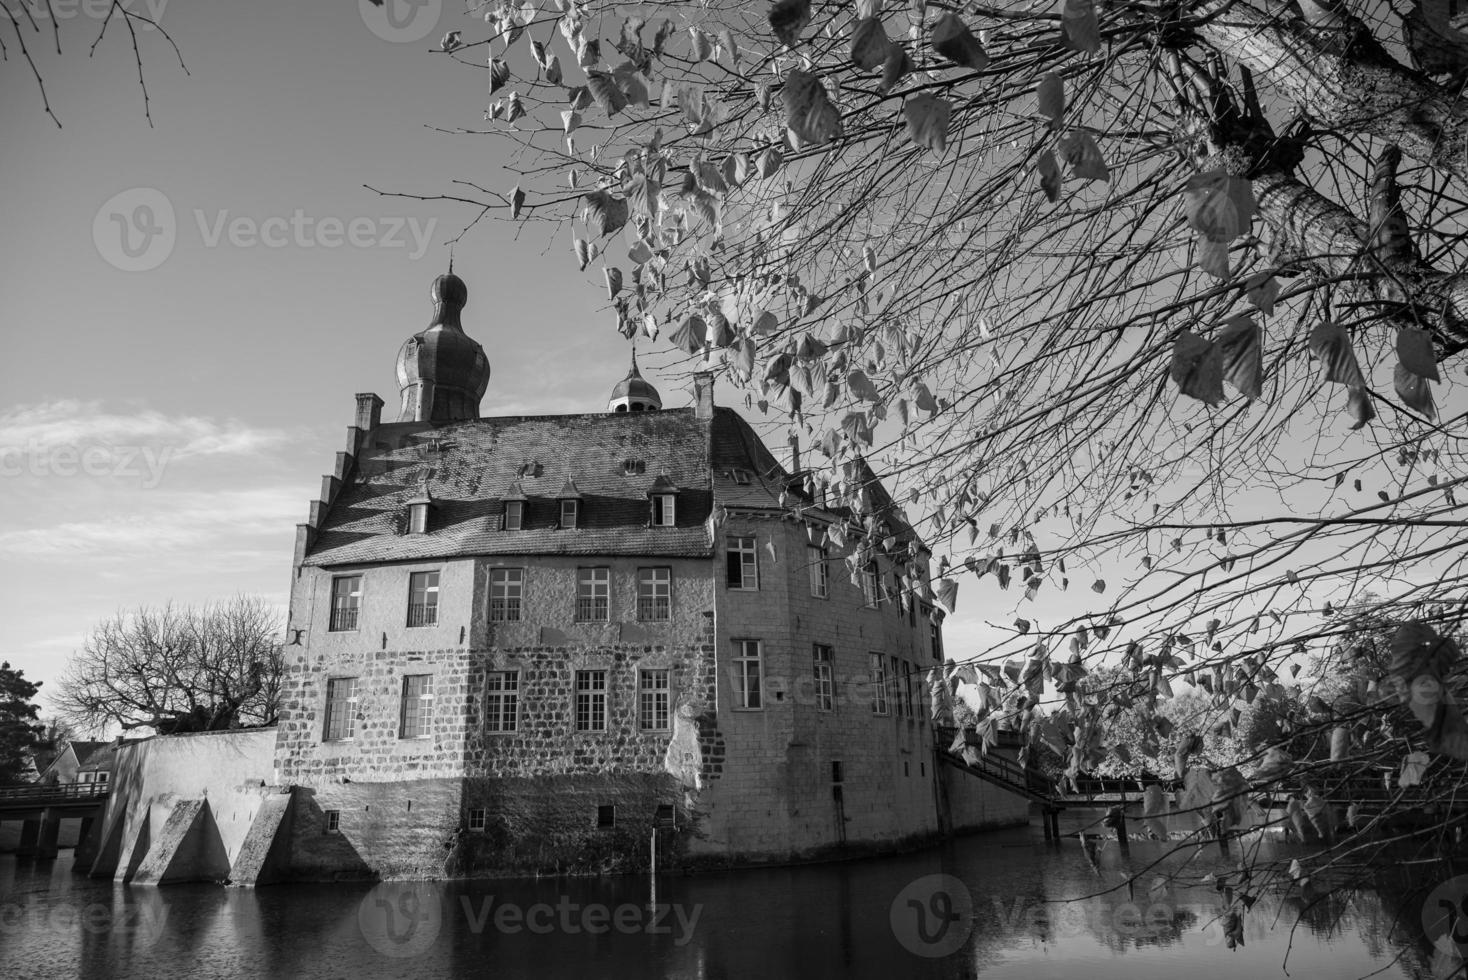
(469, 467)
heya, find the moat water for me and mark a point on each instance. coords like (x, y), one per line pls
(1001, 905)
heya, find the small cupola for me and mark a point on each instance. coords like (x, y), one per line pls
(570, 498)
(514, 500)
(663, 495)
(634, 394)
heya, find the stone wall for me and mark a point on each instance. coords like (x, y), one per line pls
(231, 771)
(976, 804)
(777, 795)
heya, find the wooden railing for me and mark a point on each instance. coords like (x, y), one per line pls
(52, 792)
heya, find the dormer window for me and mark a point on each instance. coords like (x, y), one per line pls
(741, 477)
(570, 498)
(514, 507)
(663, 495)
(418, 509)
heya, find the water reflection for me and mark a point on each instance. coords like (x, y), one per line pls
(1033, 910)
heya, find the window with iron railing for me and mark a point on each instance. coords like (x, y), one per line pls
(655, 594)
(423, 599)
(593, 594)
(506, 589)
(346, 601)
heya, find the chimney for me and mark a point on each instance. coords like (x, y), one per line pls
(703, 395)
(794, 454)
(369, 411)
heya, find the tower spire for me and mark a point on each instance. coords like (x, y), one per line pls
(442, 371)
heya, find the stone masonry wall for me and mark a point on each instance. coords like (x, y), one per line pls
(775, 799)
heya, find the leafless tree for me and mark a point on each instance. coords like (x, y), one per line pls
(176, 669)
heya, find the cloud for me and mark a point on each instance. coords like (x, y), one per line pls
(71, 423)
(172, 522)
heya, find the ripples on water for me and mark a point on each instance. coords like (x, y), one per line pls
(804, 923)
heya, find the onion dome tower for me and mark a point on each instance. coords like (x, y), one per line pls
(442, 372)
(634, 394)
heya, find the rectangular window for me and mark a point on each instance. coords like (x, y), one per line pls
(593, 592)
(871, 583)
(341, 708)
(663, 510)
(333, 822)
(346, 600)
(653, 690)
(568, 513)
(820, 575)
(591, 700)
(935, 635)
(894, 686)
(476, 820)
(103, 777)
(748, 674)
(878, 670)
(606, 815)
(907, 686)
(742, 562)
(655, 594)
(825, 677)
(514, 514)
(423, 599)
(506, 589)
(501, 700)
(417, 706)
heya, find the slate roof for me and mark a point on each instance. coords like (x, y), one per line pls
(468, 467)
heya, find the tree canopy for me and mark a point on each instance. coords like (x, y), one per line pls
(21, 731)
(1152, 303)
(176, 669)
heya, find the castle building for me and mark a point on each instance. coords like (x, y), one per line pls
(584, 643)
(538, 643)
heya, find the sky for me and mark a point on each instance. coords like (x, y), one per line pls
(168, 402)
(190, 306)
